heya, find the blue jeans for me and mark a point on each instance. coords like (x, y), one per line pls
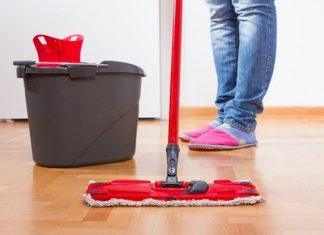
(243, 36)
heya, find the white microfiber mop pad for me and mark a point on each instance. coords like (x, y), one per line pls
(87, 199)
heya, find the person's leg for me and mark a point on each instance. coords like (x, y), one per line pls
(224, 37)
(256, 57)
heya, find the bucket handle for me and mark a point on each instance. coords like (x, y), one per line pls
(45, 43)
(73, 38)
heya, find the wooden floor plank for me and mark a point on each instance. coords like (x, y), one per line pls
(287, 166)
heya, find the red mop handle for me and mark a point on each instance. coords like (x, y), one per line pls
(175, 73)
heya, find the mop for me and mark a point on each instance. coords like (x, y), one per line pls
(171, 191)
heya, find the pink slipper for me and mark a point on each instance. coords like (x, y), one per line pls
(187, 136)
(223, 137)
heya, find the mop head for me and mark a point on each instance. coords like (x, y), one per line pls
(195, 193)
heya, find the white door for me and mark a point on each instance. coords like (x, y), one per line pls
(123, 30)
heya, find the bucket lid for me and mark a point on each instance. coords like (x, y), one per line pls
(76, 70)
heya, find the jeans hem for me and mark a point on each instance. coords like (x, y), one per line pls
(240, 127)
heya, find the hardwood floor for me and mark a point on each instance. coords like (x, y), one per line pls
(287, 166)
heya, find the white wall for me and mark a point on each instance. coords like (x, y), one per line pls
(298, 79)
(299, 73)
(198, 81)
(166, 19)
(123, 30)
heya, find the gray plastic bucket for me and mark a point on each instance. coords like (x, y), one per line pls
(82, 114)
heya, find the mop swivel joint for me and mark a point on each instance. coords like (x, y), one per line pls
(171, 181)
